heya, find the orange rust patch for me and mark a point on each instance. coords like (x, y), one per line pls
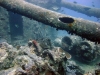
(70, 24)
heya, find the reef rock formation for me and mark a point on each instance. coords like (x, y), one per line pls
(27, 60)
(81, 48)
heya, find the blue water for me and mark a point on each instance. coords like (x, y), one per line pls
(34, 31)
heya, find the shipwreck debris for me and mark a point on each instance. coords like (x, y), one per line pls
(84, 28)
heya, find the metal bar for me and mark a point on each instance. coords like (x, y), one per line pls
(81, 27)
(90, 11)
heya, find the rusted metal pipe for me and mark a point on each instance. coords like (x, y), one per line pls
(81, 27)
(89, 11)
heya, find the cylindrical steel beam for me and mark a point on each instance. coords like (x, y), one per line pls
(81, 27)
(90, 11)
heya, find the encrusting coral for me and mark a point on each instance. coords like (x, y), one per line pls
(27, 60)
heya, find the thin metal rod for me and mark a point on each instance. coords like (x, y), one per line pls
(89, 11)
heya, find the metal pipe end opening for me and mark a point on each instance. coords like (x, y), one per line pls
(66, 19)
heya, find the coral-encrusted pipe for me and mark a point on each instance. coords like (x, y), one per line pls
(90, 11)
(81, 27)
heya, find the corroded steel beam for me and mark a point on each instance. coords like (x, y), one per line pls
(90, 11)
(81, 27)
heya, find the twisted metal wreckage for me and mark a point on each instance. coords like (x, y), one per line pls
(84, 28)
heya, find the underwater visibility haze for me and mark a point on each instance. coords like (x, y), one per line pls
(37, 43)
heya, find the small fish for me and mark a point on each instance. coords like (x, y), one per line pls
(87, 8)
(18, 47)
(37, 45)
(75, 2)
(55, 8)
(93, 5)
(16, 26)
(98, 19)
(10, 33)
(2, 18)
(98, 64)
(62, 10)
(34, 42)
